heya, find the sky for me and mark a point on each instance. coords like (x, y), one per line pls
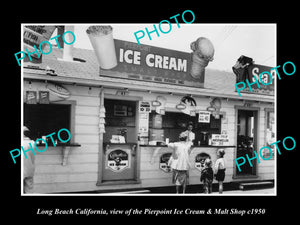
(230, 41)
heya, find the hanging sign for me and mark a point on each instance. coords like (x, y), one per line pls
(117, 160)
(144, 107)
(219, 139)
(187, 105)
(251, 73)
(58, 90)
(31, 97)
(143, 124)
(44, 97)
(159, 104)
(163, 162)
(204, 117)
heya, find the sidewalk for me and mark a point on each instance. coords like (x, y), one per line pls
(236, 192)
(266, 191)
(229, 189)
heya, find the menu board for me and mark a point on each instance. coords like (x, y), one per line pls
(204, 117)
(144, 124)
(219, 139)
(152, 64)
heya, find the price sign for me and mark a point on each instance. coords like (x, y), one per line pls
(144, 107)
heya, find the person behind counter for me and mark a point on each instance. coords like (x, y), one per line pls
(179, 162)
(190, 134)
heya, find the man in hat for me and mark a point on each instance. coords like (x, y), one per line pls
(28, 166)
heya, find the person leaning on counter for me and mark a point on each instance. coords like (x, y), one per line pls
(190, 137)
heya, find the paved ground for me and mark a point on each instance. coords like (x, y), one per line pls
(268, 191)
(166, 191)
(229, 189)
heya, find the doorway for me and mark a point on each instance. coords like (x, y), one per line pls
(119, 161)
(246, 139)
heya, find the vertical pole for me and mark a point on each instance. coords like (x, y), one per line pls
(100, 153)
(68, 49)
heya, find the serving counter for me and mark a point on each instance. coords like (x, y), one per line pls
(154, 169)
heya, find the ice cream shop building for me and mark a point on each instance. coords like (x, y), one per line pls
(122, 101)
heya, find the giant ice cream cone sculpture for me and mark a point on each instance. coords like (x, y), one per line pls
(203, 52)
(103, 43)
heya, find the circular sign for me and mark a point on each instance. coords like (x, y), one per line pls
(58, 90)
(117, 160)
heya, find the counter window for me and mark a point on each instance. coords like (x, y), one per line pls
(172, 124)
(44, 119)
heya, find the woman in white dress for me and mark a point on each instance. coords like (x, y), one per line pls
(179, 161)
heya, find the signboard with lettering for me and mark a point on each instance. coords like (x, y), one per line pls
(31, 97)
(44, 97)
(152, 64)
(219, 139)
(117, 160)
(200, 159)
(204, 117)
(163, 162)
(255, 70)
(144, 107)
(34, 35)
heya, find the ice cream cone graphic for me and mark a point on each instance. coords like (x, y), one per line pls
(203, 53)
(102, 41)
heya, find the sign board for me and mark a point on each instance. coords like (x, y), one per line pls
(204, 117)
(34, 35)
(255, 70)
(58, 90)
(143, 124)
(163, 162)
(144, 107)
(200, 159)
(44, 97)
(31, 97)
(152, 64)
(117, 160)
(219, 139)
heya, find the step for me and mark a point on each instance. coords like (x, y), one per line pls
(258, 184)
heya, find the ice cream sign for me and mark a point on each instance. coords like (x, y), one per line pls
(148, 63)
(153, 60)
(124, 59)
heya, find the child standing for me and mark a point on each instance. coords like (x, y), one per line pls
(220, 169)
(207, 176)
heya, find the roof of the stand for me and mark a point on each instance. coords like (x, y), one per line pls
(85, 70)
